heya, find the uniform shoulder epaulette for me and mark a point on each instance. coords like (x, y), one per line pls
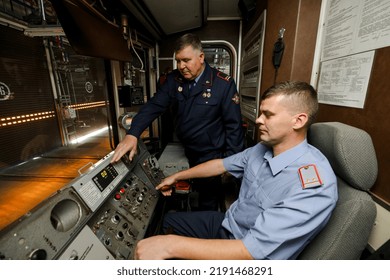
(223, 76)
(309, 176)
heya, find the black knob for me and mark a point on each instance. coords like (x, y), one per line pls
(38, 254)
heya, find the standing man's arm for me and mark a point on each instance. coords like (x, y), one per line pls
(231, 115)
(129, 143)
(151, 110)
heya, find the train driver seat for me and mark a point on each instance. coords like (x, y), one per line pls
(351, 153)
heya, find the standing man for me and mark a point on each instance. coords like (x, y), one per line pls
(208, 119)
(288, 191)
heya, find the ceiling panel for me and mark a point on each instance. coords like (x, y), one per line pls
(176, 15)
(223, 9)
(181, 15)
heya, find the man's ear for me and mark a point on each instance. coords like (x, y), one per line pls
(300, 120)
(201, 57)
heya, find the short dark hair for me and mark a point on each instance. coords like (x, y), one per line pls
(302, 97)
(188, 39)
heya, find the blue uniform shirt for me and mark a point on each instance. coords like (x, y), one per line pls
(274, 216)
(208, 117)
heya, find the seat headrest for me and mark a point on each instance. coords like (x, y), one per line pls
(349, 150)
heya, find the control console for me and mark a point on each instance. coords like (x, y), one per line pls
(99, 215)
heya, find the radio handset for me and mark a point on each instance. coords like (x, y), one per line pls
(278, 52)
(278, 49)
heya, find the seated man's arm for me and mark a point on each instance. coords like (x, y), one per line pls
(207, 169)
(180, 247)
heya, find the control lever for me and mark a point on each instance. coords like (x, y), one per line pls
(181, 187)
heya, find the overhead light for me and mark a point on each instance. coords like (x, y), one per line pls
(27, 118)
(33, 31)
(13, 24)
(44, 31)
(92, 134)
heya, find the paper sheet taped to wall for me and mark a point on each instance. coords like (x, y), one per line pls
(344, 81)
(353, 26)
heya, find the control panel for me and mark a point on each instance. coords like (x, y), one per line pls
(121, 222)
(99, 215)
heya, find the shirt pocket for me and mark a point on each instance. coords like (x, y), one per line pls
(262, 199)
(206, 107)
(248, 188)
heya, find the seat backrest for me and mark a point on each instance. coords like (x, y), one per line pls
(351, 153)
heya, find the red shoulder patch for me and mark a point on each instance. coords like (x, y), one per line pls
(223, 76)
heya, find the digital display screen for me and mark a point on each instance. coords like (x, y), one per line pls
(105, 177)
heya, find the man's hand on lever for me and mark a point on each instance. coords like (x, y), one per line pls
(207, 169)
(166, 185)
(129, 143)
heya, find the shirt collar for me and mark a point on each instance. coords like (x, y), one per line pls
(283, 160)
(197, 78)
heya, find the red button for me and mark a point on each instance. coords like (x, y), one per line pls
(117, 196)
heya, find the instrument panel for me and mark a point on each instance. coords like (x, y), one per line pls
(99, 215)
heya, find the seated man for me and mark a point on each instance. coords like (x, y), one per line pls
(288, 191)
